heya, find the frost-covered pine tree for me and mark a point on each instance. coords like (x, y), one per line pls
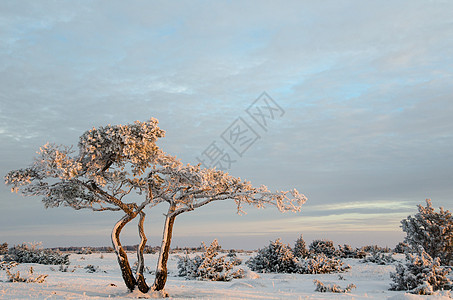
(432, 230)
(115, 162)
(208, 266)
(325, 247)
(300, 249)
(346, 251)
(3, 248)
(34, 253)
(421, 275)
(275, 258)
(320, 264)
(401, 247)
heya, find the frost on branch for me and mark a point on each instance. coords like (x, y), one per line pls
(188, 187)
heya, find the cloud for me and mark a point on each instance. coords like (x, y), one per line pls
(365, 86)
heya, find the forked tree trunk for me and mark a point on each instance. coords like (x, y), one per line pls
(121, 255)
(141, 283)
(161, 271)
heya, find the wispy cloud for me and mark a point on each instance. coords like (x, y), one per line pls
(366, 87)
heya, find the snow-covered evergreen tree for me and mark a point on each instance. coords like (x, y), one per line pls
(208, 266)
(432, 230)
(275, 258)
(325, 247)
(421, 275)
(232, 257)
(3, 248)
(379, 258)
(401, 247)
(300, 248)
(320, 264)
(346, 251)
(34, 254)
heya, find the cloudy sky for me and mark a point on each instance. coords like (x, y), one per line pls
(365, 86)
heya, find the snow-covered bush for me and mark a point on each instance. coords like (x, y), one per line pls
(379, 258)
(64, 269)
(16, 277)
(346, 251)
(401, 247)
(432, 230)
(232, 257)
(332, 288)
(320, 264)
(325, 247)
(275, 258)
(85, 250)
(92, 269)
(33, 254)
(208, 266)
(3, 248)
(300, 249)
(375, 248)
(421, 275)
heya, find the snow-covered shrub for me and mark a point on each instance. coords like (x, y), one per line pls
(275, 258)
(379, 258)
(432, 230)
(33, 254)
(64, 269)
(92, 269)
(332, 288)
(375, 248)
(188, 267)
(232, 257)
(401, 247)
(85, 250)
(320, 264)
(346, 251)
(208, 266)
(16, 277)
(421, 275)
(300, 249)
(325, 247)
(3, 248)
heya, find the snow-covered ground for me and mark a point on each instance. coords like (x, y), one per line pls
(372, 282)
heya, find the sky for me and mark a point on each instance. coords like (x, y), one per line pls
(358, 116)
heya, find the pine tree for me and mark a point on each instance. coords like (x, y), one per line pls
(432, 230)
(421, 275)
(3, 248)
(300, 249)
(325, 247)
(275, 258)
(208, 266)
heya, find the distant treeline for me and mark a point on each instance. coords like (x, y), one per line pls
(133, 248)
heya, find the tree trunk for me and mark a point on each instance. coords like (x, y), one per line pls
(121, 255)
(161, 271)
(141, 283)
